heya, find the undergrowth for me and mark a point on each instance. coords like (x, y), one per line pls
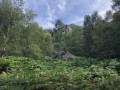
(22, 73)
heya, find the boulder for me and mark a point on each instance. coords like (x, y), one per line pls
(68, 56)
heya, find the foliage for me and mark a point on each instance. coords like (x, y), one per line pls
(25, 49)
(98, 38)
(19, 35)
(116, 5)
(47, 74)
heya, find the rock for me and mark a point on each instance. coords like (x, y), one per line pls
(68, 56)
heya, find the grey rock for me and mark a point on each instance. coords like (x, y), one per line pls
(68, 56)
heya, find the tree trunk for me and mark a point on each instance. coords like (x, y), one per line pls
(6, 41)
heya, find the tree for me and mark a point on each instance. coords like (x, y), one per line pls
(106, 37)
(116, 5)
(109, 16)
(36, 41)
(116, 16)
(87, 35)
(48, 44)
(74, 41)
(59, 24)
(89, 23)
(10, 17)
(58, 36)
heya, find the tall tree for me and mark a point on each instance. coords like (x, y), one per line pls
(88, 32)
(74, 40)
(9, 18)
(87, 35)
(58, 36)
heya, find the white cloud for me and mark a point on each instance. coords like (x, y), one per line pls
(44, 23)
(62, 5)
(102, 13)
(66, 10)
(50, 11)
(47, 25)
(77, 20)
(102, 6)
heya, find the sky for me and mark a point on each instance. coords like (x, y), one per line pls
(69, 11)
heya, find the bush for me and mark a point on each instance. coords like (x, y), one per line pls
(4, 64)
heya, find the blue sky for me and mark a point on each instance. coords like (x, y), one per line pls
(69, 11)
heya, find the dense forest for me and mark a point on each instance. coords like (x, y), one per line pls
(31, 58)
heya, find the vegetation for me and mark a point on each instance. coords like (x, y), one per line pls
(30, 55)
(22, 73)
(19, 35)
(99, 37)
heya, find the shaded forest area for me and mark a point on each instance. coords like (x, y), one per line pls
(30, 55)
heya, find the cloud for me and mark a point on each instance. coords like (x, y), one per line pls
(77, 20)
(102, 13)
(62, 5)
(50, 11)
(47, 25)
(102, 6)
(69, 11)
